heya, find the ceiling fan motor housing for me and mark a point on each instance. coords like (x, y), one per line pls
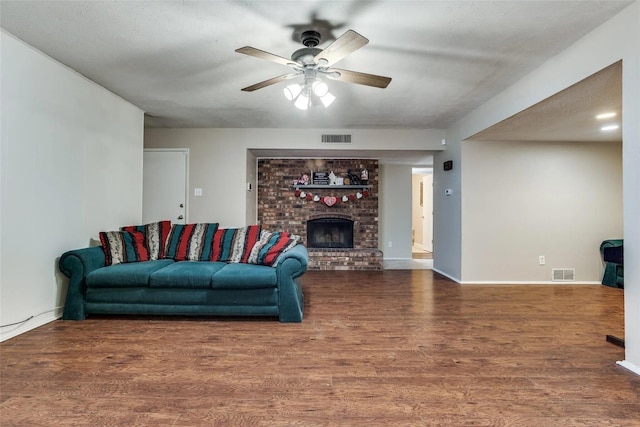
(305, 55)
(310, 38)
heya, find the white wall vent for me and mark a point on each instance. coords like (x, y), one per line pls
(336, 139)
(563, 274)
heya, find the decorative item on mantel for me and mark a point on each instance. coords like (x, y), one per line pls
(331, 200)
(354, 179)
(303, 180)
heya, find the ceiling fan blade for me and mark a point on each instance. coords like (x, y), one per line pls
(252, 51)
(359, 78)
(347, 43)
(268, 82)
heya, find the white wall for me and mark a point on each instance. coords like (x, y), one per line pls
(394, 193)
(71, 156)
(221, 165)
(618, 38)
(252, 194)
(447, 230)
(527, 199)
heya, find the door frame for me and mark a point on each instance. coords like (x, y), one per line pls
(186, 178)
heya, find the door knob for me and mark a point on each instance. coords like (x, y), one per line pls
(182, 205)
(181, 217)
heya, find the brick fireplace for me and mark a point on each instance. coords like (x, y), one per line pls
(283, 206)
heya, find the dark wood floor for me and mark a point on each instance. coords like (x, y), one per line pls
(392, 348)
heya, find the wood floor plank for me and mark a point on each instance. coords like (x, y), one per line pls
(376, 348)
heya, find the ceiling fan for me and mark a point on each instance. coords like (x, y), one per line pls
(313, 62)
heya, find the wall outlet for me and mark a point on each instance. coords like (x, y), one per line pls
(197, 191)
(541, 260)
(390, 243)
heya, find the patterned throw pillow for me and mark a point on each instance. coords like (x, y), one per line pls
(271, 245)
(223, 244)
(245, 239)
(156, 234)
(123, 246)
(234, 244)
(190, 242)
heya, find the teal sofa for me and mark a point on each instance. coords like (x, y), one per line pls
(168, 287)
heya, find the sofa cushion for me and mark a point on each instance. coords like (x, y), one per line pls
(245, 276)
(123, 246)
(155, 233)
(186, 274)
(191, 242)
(125, 275)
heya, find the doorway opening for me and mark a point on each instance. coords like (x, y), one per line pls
(422, 213)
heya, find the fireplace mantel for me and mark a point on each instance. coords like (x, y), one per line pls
(281, 208)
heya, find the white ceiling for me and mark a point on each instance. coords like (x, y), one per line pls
(569, 115)
(176, 60)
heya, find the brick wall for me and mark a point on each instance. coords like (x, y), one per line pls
(280, 207)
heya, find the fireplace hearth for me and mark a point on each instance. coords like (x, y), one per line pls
(329, 233)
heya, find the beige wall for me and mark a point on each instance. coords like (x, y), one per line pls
(221, 163)
(395, 211)
(71, 167)
(526, 199)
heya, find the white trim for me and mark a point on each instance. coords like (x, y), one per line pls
(521, 282)
(33, 324)
(629, 366)
(447, 276)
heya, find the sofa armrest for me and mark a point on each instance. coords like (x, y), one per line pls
(76, 265)
(298, 258)
(290, 267)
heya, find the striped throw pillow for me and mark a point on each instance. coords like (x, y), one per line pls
(245, 239)
(156, 234)
(190, 242)
(234, 244)
(123, 246)
(271, 245)
(223, 244)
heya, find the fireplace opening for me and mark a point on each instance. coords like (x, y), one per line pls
(330, 233)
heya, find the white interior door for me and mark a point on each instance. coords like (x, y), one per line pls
(164, 191)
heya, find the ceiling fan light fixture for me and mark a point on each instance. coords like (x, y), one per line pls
(320, 88)
(327, 99)
(291, 92)
(302, 102)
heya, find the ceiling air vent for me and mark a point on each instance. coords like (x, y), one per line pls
(563, 274)
(344, 139)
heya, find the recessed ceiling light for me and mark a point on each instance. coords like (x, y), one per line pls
(609, 127)
(605, 116)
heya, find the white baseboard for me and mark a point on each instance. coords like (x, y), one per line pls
(522, 282)
(36, 322)
(629, 366)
